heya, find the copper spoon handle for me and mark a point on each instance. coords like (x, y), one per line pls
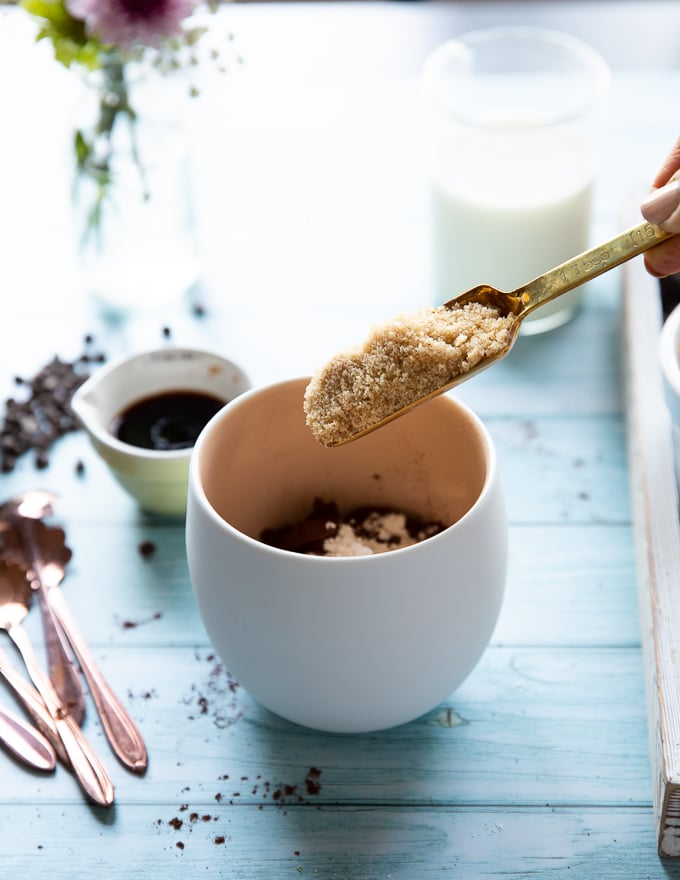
(34, 705)
(120, 729)
(88, 769)
(61, 670)
(25, 742)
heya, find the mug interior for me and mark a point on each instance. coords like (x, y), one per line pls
(260, 467)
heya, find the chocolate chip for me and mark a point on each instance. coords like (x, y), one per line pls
(147, 549)
(34, 423)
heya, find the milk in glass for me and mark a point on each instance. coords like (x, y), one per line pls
(513, 159)
(507, 232)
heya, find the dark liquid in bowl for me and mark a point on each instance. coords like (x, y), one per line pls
(172, 420)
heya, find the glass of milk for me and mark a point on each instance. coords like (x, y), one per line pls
(515, 114)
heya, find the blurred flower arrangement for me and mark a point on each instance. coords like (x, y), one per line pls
(104, 39)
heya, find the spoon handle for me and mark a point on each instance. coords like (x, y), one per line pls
(62, 672)
(120, 729)
(61, 669)
(25, 742)
(589, 264)
(87, 767)
(34, 705)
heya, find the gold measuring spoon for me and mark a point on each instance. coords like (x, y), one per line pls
(15, 598)
(351, 396)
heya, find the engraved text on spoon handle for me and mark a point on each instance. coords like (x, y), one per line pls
(590, 264)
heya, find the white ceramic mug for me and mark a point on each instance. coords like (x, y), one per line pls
(346, 644)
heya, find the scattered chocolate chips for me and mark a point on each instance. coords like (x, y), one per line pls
(44, 415)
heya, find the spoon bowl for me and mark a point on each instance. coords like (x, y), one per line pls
(349, 399)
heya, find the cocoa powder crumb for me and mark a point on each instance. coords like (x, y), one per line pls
(147, 549)
(401, 362)
(312, 781)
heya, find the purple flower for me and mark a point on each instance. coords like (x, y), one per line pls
(128, 23)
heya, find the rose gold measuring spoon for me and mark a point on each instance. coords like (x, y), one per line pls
(49, 556)
(515, 305)
(25, 742)
(17, 520)
(33, 703)
(121, 731)
(15, 598)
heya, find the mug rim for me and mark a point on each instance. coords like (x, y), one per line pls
(669, 356)
(593, 62)
(197, 488)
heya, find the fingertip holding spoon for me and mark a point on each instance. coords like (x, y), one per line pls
(408, 361)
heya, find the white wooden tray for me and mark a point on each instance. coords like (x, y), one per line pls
(657, 536)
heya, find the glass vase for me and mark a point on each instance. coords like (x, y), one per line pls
(132, 192)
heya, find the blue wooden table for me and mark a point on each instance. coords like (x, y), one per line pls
(311, 212)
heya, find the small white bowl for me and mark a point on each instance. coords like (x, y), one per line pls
(669, 359)
(157, 479)
(348, 644)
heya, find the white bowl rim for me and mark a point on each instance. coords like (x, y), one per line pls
(196, 486)
(109, 440)
(668, 349)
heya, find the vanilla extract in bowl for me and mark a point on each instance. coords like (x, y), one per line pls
(167, 421)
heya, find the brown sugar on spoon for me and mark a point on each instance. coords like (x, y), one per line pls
(402, 361)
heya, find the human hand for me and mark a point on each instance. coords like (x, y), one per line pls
(662, 207)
